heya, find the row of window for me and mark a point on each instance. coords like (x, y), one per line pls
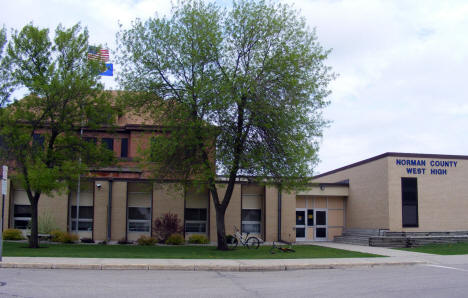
(108, 143)
(139, 219)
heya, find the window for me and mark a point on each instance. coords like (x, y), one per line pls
(124, 148)
(251, 214)
(38, 141)
(195, 220)
(85, 222)
(310, 217)
(108, 143)
(251, 219)
(139, 207)
(22, 216)
(409, 200)
(91, 140)
(139, 219)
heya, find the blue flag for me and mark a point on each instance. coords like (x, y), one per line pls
(109, 71)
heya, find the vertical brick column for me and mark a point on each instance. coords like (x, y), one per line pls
(168, 198)
(288, 216)
(119, 210)
(271, 213)
(101, 197)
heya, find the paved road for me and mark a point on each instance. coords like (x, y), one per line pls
(389, 281)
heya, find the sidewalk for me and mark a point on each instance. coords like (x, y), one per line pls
(394, 257)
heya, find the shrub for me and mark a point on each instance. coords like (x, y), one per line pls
(56, 235)
(69, 238)
(167, 225)
(46, 223)
(175, 239)
(12, 234)
(198, 239)
(229, 238)
(146, 240)
(87, 240)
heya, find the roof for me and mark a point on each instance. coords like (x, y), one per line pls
(392, 154)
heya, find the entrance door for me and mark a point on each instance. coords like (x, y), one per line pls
(321, 224)
(300, 224)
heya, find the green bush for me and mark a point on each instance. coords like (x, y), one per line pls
(56, 235)
(69, 238)
(12, 234)
(46, 223)
(175, 239)
(198, 239)
(146, 240)
(59, 236)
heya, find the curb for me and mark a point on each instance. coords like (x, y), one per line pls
(206, 267)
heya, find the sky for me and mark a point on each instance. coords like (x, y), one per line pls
(402, 66)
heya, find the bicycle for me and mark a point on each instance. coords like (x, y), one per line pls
(246, 240)
(276, 248)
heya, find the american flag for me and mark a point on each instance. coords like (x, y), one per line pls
(95, 53)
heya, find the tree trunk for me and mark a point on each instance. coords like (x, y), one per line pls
(34, 239)
(220, 227)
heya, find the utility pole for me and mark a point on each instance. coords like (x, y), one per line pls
(4, 191)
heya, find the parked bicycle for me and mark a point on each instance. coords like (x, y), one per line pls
(287, 247)
(245, 239)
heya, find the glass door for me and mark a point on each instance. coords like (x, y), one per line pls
(321, 225)
(300, 224)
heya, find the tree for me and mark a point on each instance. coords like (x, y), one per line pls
(240, 92)
(5, 82)
(40, 133)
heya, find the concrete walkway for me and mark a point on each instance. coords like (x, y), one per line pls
(395, 257)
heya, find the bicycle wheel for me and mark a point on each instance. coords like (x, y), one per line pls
(252, 242)
(232, 242)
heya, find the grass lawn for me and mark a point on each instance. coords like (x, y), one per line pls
(442, 249)
(20, 249)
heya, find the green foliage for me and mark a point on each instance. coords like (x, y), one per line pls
(198, 239)
(56, 235)
(63, 93)
(12, 234)
(240, 92)
(146, 240)
(167, 225)
(69, 238)
(175, 239)
(46, 223)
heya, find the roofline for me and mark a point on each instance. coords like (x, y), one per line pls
(392, 154)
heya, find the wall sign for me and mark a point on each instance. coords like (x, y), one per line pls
(426, 167)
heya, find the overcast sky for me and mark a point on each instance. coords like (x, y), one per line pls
(402, 65)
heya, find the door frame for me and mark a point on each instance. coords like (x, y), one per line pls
(325, 226)
(304, 226)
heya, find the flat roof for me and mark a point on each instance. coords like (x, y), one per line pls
(392, 154)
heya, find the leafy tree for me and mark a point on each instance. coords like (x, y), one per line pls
(5, 83)
(40, 133)
(240, 92)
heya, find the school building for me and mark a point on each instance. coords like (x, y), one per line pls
(393, 192)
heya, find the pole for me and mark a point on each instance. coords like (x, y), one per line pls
(4, 189)
(78, 190)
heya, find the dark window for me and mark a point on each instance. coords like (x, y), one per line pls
(22, 211)
(91, 140)
(320, 232)
(251, 214)
(82, 225)
(139, 213)
(86, 212)
(195, 227)
(195, 214)
(124, 148)
(300, 218)
(21, 224)
(38, 140)
(409, 202)
(321, 219)
(310, 217)
(300, 232)
(108, 143)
